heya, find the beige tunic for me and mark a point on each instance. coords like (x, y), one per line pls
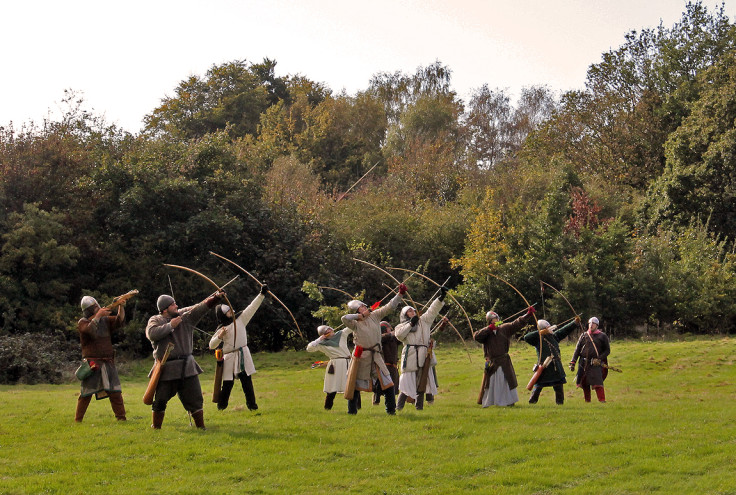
(367, 334)
(414, 353)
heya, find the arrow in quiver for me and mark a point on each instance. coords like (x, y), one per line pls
(158, 368)
(218, 376)
(538, 372)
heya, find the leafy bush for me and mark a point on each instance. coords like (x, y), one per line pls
(37, 358)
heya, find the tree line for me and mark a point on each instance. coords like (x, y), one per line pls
(621, 194)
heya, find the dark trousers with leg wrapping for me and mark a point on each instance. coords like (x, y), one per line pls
(559, 393)
(227, 387)
(188, 389)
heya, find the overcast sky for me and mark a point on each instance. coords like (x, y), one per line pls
(123, 57)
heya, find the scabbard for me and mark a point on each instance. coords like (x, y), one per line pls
(538, 373)
(352, 377)
(217, 386)
(483, 387)
(422, 385)
(535, 377)
(158, 368)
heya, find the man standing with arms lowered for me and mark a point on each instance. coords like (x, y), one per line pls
(593, 348)
(180, 373)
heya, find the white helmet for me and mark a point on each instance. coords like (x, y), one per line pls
(490, 315)
(404, 311)
(88, 302)
(323, 330)
(355, 305)
(594, 320)
(542, 324)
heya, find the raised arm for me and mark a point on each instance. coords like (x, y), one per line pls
(433, 311)
(402, 330)
(564, 331)
(246, 315)
(392, 305)
(532, 338)
(350, 320)
(314, 345)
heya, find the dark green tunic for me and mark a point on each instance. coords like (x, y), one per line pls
(554, 374)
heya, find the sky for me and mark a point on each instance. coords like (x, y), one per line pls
(122, 58)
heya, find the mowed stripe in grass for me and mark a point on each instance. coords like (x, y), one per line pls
(668, 427)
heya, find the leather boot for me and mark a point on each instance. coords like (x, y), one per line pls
(586, 393)
(535, 395)
(330, 400)
(420, 402)
(158, 419)
(118, 406)
(250, 394)
(559, 394)
(353, 403)
(227, 388)
(82, 404)
(390, 399)
(199, 419)
(601, 393)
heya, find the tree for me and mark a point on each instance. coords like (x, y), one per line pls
(232, 95)
(48, 164)
(534, 107)
(635, 97)
(397, 91)
(699, 180)
(488, 127)
(36, 257)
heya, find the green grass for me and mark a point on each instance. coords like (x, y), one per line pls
(669, 427)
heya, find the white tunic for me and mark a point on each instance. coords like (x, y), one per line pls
(235, 347)
(414, 353)
(335, 348)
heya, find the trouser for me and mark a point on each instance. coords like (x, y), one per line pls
(188, 389)
(378, 392)
(116, 402)
(390, 398)
(330, 400)
(559, 393)
(354, 403)
(401, 401)
(599, 391)
(227, 387)
(420, 402)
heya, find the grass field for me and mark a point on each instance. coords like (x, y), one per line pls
(669, 426)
